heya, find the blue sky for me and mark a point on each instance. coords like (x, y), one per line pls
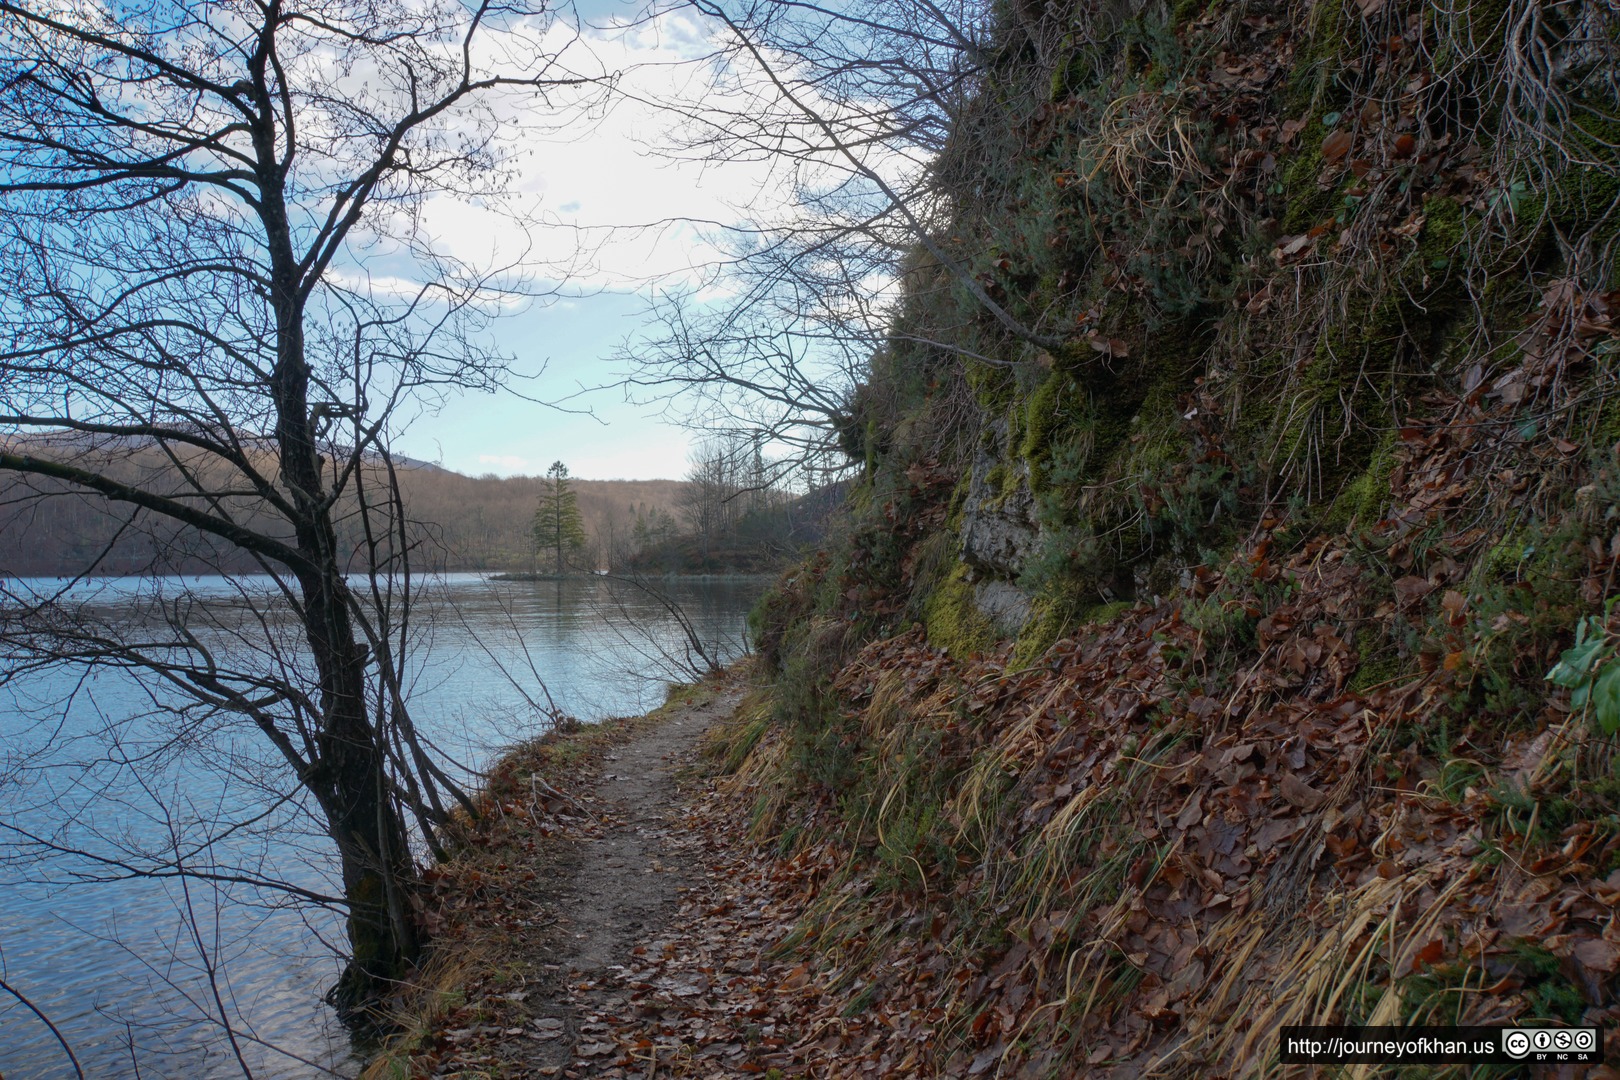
(561, 350)
(596, 174)
(598, 177)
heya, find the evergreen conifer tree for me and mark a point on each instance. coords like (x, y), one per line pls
(557, 525)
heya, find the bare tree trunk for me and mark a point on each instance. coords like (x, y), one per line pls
(366, 823)
(349, 777)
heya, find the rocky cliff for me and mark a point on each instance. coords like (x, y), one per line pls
(1220, 635)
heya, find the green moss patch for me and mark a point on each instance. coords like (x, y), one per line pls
(953, 620)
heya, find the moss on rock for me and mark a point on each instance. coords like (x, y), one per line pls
(952, 618)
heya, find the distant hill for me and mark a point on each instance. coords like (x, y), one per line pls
(457, 522)
(465, 523)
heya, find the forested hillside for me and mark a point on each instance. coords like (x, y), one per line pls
(705, 522)
(1220, 634)
(461, 522)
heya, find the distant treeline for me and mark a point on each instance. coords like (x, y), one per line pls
(731, 514)
(711, 522)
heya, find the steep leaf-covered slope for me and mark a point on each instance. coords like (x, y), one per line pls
(1184, 675)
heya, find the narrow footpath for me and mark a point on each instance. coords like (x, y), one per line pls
(618, 923)
(623, 890)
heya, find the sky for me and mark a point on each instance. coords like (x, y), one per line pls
(562, 407)
(599, 172)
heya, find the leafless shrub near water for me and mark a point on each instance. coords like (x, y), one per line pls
(189, 339)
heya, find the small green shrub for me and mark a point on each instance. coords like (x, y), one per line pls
(1588, 669)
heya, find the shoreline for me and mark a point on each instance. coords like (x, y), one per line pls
(558, 831)
(723, 575)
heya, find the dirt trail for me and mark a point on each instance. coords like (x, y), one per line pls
(620, 890)
(629, 929)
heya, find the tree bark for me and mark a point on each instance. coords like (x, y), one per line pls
(349, 779)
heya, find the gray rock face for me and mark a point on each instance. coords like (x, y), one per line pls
(1004, 604)
(998, 519)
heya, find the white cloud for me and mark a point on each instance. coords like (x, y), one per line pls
(632, 447)
(597, 198)
(592, 205)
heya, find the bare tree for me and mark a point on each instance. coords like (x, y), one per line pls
(681, 655)
(860, 101)
(865, 112)
(706, 497)
(731, 491)
(211, 228)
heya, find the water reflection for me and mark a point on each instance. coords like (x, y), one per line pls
(133, 970)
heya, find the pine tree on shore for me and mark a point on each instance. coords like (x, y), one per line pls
(557, 525)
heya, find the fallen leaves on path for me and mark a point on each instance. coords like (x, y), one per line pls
(711, 995)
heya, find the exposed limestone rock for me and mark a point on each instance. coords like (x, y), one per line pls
(1004, 604)
(998, 518)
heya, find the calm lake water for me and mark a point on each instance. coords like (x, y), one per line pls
(135, 973)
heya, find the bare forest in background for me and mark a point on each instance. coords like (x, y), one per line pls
(715, 520)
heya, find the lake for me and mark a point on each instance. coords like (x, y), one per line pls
(136, 972)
